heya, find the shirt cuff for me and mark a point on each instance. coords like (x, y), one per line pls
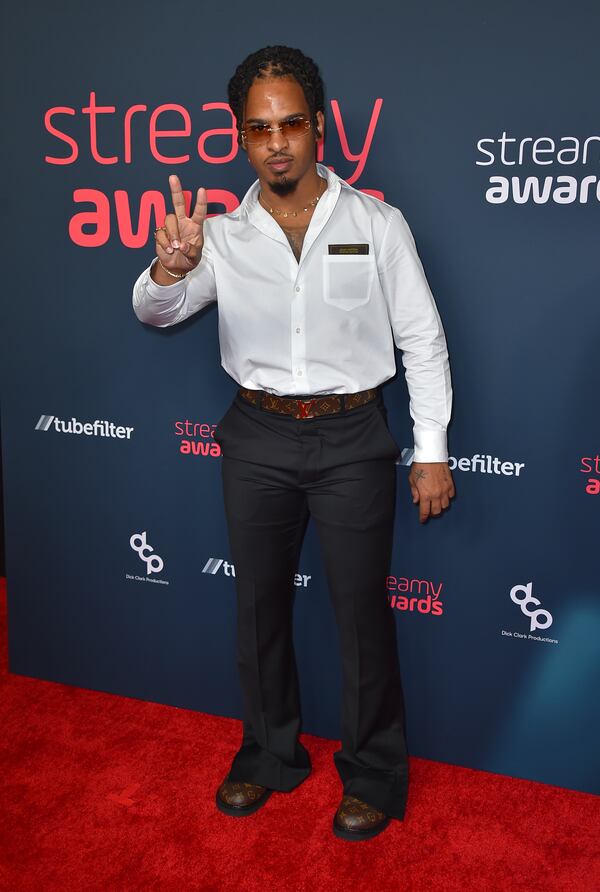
(162, 292)
(430, 446)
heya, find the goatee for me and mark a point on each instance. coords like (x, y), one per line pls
(283, 186)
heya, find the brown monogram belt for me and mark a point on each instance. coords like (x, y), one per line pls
(311, 408)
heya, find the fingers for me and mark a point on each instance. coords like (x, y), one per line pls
(432, 507)
(450, 487)
(436, 507)
(177, 196)
(191, 253)
(430, 504)
(162, 241)
(172, 232)
(170, 249)
(200, 209)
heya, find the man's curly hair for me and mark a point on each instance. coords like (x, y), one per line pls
(276, 61)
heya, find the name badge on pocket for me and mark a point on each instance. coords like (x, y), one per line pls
(348, 276)
(348, 249)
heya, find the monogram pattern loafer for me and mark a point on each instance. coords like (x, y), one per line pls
(356, 820)
(239, 798)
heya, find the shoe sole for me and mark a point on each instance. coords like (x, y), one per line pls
(238, 811)
(359, 835)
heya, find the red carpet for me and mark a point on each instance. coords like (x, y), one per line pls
(105, 792)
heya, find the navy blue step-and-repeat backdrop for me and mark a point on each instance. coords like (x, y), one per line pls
(480, 122)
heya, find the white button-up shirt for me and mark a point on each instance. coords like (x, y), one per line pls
(325, 324)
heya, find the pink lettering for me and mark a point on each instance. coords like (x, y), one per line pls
(151, 202)
(127, 129)
(93, 110)
(590, 465)
(362, 156)
(426, 605)
(230, 131)
(157, 134)
(221, 196)
(188, 447)
(60, 110)
(100, 218)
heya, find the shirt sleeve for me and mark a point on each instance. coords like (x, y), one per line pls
(419, 334)
(164, 305)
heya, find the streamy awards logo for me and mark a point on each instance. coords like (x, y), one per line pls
(196, 438)
(591, 468)
(207, 131)
(415, 595)
(563, 177)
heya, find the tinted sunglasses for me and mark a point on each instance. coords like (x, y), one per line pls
(290, 129)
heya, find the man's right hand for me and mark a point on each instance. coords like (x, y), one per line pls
(179, 248)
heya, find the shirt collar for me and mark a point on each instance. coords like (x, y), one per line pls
(250, 203)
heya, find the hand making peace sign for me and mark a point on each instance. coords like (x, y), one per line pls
(179, 243)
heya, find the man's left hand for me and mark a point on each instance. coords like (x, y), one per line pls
(431, 486)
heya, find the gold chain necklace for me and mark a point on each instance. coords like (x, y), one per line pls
(310, 205)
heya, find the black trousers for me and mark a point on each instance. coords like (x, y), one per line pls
(340, 469)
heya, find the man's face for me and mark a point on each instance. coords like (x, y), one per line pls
(280, 161)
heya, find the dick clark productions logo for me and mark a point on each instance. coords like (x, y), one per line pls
(154, 563)
(539, 618)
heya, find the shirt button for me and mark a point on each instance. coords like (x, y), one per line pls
(298, 288)
(297, 331)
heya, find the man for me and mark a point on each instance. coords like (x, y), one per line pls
(315, 282)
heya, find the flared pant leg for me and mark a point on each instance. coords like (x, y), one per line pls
(266, 519)
(353, 508)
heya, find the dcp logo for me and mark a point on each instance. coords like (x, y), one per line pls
(154, 563)
(540, 619)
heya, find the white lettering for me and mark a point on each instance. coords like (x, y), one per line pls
(154, 563)
(540, 619)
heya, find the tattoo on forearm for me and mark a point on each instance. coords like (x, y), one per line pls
(419, 475)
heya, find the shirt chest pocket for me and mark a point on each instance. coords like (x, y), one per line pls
(348, 279)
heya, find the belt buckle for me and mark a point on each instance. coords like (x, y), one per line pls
(304, 407)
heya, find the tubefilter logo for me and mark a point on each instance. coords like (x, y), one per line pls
(95, 428)
(215, 566)
(476, 464)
